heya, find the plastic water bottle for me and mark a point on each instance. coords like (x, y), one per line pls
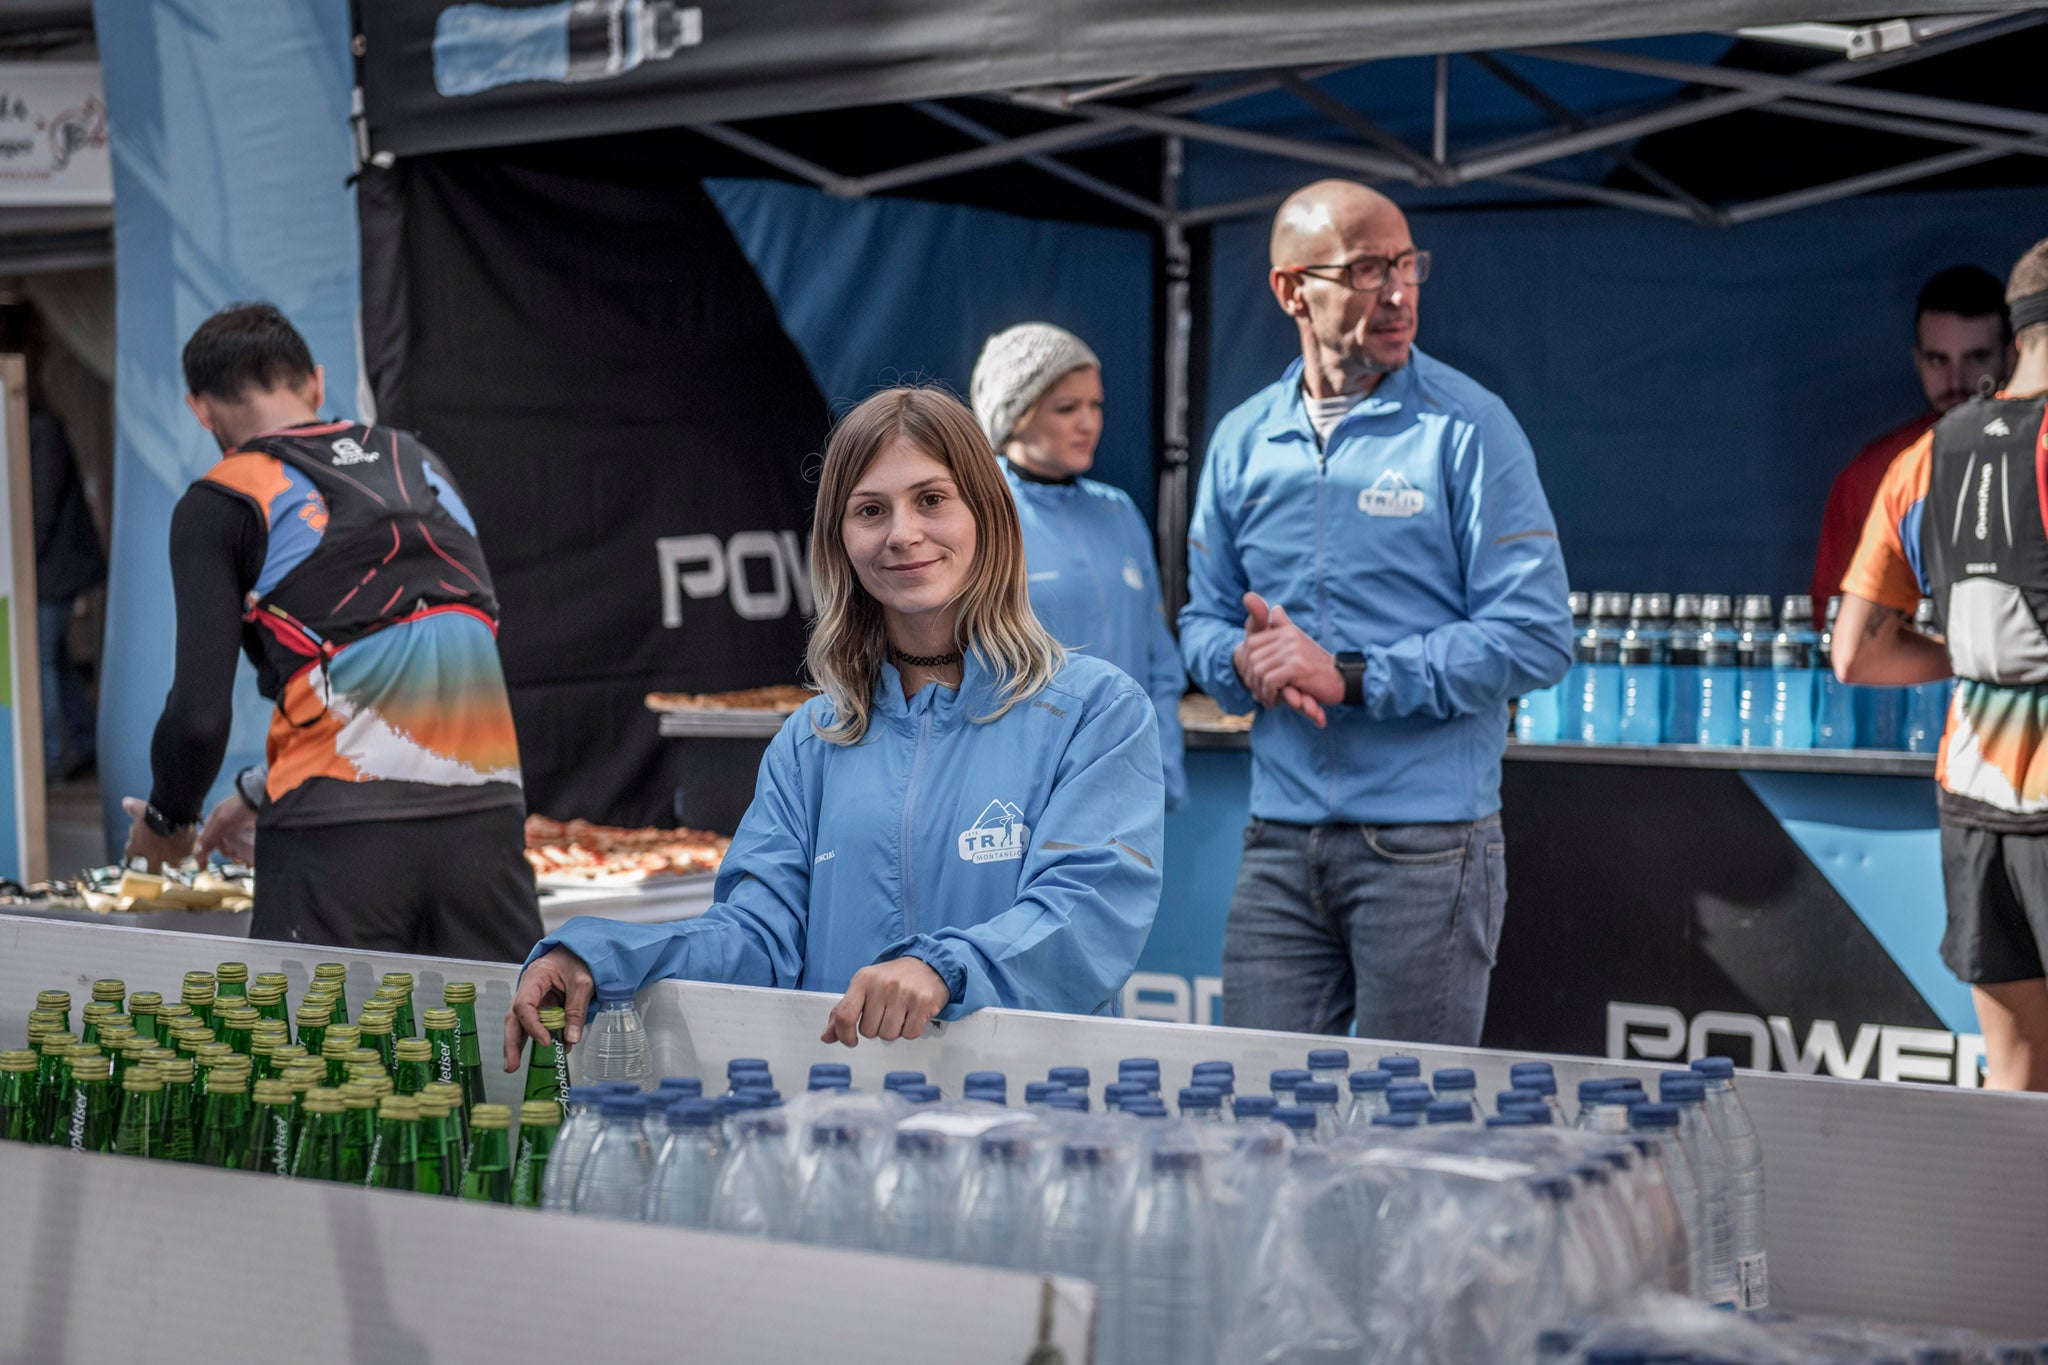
(1449, 1111)
(896, 1080)
(1660, 1208)
(1682, 672)
(686, 1167)
(1221, 1077)
(1596, 669)
(1659, 1122)
(1283, 1081)
(1170, 1282)
(1113, 1096)
(613, 1181)
(1142, 1070)
(1455, 1083)
(1068, 1102)
(752, 1193)
(1297, 1120)
(1645, 659)
(1328, 1064)
(666, 1093)
(1201, 1103)
(995, 1224)
(1072, 1077)
(742, 1073)
(1037, 1094)
(1320, 1099)
(833, 1208)
(920, 1094)
(1753, 636)
(1254, 1108)
(1400, 1067)
(1329, 1232)
(991, 1086)
(911, 1213)
(1411, 1098)
(1717, 709)
(1368, 1098)
(614, 1046)
(1792, 676)
(480, 47)
(572, 1145)
(1687, 1091)
(1834, 701)
(1737, 1135)
(1081, 1231)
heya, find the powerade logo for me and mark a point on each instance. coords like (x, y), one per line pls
(1391, 495)
(1661, 1033)
(997, 836)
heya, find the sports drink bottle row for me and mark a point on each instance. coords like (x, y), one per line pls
(1649, 668)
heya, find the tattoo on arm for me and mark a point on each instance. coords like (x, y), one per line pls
(1880, 618)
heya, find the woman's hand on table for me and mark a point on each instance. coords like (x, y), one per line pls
(889, 1000)
(557, 974)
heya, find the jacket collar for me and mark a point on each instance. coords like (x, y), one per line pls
(947, 706)
(1287, 416)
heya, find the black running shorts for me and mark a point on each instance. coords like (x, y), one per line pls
(1997, 887)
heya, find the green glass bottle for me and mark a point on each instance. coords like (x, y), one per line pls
(58, 1002)
(224, 1136)
(398, 985)
(130, 1053)
(113, 1037)
(109, 990)
(50, 1054)
(41, 1021)
(452, 1092)
(395, 1157)
(323, 1136)
(178, 1138)
(142, 1096)
(170, 1015)
(539, 1124)
(269, 979)
(366, 1057)
(267, 1146)
(91, 1124)
(378, 1033)
(284, 1055)
(487, 1176)
(262, 1050)
(268, 1001)
(143, 1007)
(208, 1056)
(334, 977)
(334, 1052)
(235, 1024)
(440, 1164)
(441, 1041)
(303, 1078)
(18, 1095)
(460, 996)
(547, 1065)
(348, 1033)
(200, 991)
(231, 979)
(359, 1130)
(59, 1106)
(89, 1018)
(313, 1021)
(415, 1057)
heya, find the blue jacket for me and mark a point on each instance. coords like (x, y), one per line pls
(1095, 586)
(1020, 857)
(1420, 538)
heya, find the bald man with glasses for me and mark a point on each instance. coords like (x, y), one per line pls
(1374, 570)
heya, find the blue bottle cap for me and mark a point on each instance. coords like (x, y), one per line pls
(1287, 1078)
(919, 1094)
(1516, 1095)
(681, 1085)
(1510, 1119)
(1449, 1111)
(1146, 1106)
(767, 1094)
(831, 1069)
(1454, 1078)
(1592, 1089)
(1200, 1097)
(830, 1083)
(1118, 1091)
(615, 995)
(585, 1094)
(1401, 1083)
(1037, 1092)
(1681, 1087)
(1531, 1067)
(1073, 1077)
(1146, 1064)
(621, 1107)
(917, 1140)
(1217, 1068)
(1408, 1101)
(739, 1064)
(1069, 1101)
(1653, 1115)
(1295, 1117)
(1329, 1059)
(1255, 1106)
(1316, 1092)
(992, 1078)
(1398, 1065)
(1542, 1082)
(896, 1080)
(1373, 1079)
(1395, 1120)
(1538, 1114)
(1715, 1068)
(693, 1113)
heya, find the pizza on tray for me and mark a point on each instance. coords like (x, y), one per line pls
(578, 853)
(781, 699)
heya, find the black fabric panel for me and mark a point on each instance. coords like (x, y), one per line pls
(591, 353)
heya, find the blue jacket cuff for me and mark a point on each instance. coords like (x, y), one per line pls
(935, 955)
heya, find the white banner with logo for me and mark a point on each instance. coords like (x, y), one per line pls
(53, 135)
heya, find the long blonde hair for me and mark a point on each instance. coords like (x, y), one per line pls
(995, 622)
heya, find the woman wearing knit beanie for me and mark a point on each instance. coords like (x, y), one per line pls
(1037, 392)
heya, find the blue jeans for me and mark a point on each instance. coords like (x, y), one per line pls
(67, 714)
(1389, 927)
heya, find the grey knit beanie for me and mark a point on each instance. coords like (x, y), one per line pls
(1017, 366)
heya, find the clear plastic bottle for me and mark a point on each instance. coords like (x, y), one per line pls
(1081, 1226)
(834, 1207)
(686, 1168)
(896, 1080)
(1645, 660)
(1682, 672)
(1456, 1083)
(1716, 709)
(1660, 1122)
(830, 1071)
(1792, 676)
(1072, 1077)
(1144, 1070)
(1753, 636)
(995, 1225)
(1368, 1097)
(1320, 1099)
(1219, 1076)
(1401, 1067)
(910, 1199)
(751, 1196)
(613, 1180)
(746, 1073)
(572, 1145)
(1688, 1092)
(1283, 1081)
(1834, 701)
(1253, 1108)
(1201, 1103)
(614, 1046)
(1450, 1111)
(1328, 1064)
(1538, 1076)
(991, 1086)
(661, 1099)
(1737, 1134)
(1170, 1282)
(1660, 1198)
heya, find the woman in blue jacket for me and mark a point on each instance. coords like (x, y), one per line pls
(967, 816)
(1037, 392)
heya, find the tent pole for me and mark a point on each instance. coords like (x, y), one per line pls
(1355, 160)
(1910, 127)
(1344, 116)
(1863, 184)
(1122, 198)
(829, 181)
(1440, 118)
(1177, 337)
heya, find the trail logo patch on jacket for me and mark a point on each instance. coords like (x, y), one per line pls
(998, 835)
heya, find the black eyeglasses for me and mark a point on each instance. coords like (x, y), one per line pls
(1371, 272)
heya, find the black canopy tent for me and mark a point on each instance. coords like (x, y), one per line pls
(1102, 100)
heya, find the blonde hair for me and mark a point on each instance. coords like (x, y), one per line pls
(995, 622)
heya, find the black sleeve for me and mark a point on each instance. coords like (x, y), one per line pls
(51, 469)
(217, 543)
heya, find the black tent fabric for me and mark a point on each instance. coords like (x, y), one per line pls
(438, 76)
(654, 541)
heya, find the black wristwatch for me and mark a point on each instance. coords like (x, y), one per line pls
(1351, 667)
(161, 825)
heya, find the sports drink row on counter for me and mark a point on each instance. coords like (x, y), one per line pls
(1650, 668)
(1366, 1214)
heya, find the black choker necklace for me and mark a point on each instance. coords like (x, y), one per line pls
(924, 660)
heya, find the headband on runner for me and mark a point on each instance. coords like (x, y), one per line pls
(2028, 310)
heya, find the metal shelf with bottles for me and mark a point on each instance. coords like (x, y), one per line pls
(1707, 680)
